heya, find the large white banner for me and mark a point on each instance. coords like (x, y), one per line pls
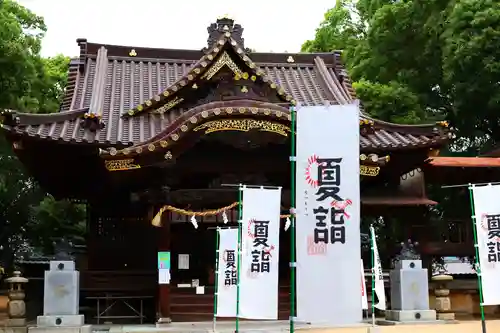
(260, 253)
(487, 216)
(378, 273)
(328, 204)
(227, 278)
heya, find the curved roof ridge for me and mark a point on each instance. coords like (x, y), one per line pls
(388, 124)
(22, 118)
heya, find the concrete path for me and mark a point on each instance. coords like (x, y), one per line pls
(493, 326)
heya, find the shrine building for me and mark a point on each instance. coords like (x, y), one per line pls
(140, 128)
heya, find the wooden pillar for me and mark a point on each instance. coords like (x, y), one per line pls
(164, 289)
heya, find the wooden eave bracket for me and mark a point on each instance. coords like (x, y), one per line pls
(169, 95)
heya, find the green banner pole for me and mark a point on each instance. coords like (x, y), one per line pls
(292, 218)
(217, 245)
(372, 252)
(478, 262)
(238, 264)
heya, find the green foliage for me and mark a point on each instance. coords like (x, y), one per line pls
(54, 220)
(418, 61)
(29, 83)
(392, 102)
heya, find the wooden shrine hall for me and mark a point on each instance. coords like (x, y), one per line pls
(140, 128)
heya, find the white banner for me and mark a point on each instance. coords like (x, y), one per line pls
(364, 297)
(227, 278)
(487, 216)
(379, 275)
(260, 253)
(328, 204)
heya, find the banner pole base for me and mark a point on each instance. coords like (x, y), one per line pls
(483, 325)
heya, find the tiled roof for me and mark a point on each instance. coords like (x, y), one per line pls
(111, 80)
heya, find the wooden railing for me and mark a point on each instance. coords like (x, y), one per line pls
(119, 282)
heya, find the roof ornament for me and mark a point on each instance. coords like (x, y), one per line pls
(220, 28)
(408, 251)
(132, 53)
(290, 59)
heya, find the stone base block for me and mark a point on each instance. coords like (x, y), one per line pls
(410, 315)
(373, 329)
(446, 316)
(60, 321)
(163, 322)
(13, 329)
(15, 322)
(63, 329)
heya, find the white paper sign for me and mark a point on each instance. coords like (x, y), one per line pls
(487, 216)
(379, 274)
(200, 290)
(260, 253)
(227, 274)
(163, 276)
(183, 261)
(364, 297)
(328, 215)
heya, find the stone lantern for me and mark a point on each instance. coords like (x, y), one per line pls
(16, 308)
(442, 293)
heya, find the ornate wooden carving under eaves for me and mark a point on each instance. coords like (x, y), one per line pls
(243, 125)
(121, 165)
(224, 60)
(221, 27)
(170, 104)
(223, 87)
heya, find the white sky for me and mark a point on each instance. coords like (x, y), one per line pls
(283, 26)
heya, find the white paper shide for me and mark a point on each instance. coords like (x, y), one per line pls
(260, 253)
(328, 217)
(227, 273)
(487, 218)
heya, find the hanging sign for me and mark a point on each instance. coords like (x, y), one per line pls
(487, 217)
(163, 260)
(364, 297)
(227, 273)
(328, 217)
(163, 267)
(260, 253)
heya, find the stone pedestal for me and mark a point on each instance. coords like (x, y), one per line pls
(442, 293)
(409, 294)
(61, 301)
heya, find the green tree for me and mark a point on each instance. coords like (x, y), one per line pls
(471, 68)
(388, 47)
(29, 83)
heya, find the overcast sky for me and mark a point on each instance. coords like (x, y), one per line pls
(270, 25)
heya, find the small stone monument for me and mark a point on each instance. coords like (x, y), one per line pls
(409, 289)
(16, 308)
(61, 300)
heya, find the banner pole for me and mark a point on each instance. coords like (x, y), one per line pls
(217, 250)
(292, 218)
(238, 264)
(372, 252)
(478, 263)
